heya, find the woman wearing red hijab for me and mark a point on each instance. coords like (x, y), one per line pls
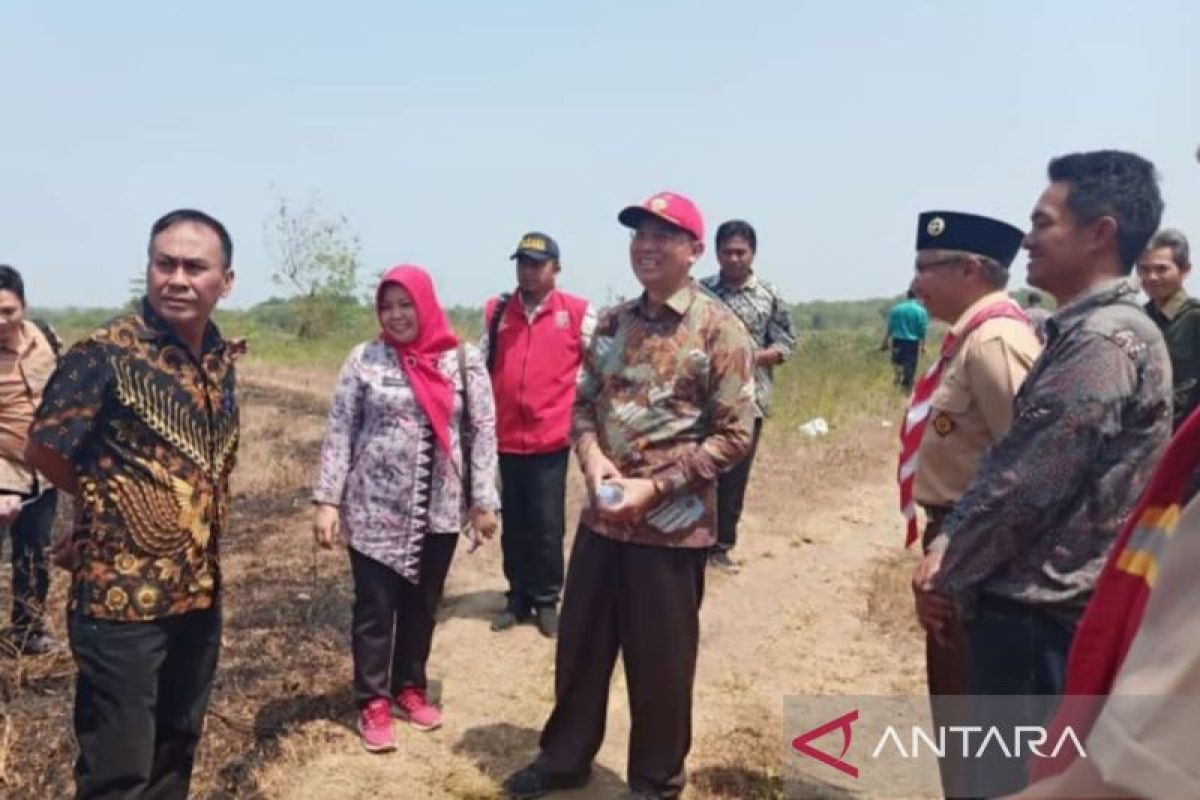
(390, 487)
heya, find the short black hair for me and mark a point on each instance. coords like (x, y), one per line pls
(199, 218)
(910, 294)
(11, 281)
(737, 227)
(1117, 184)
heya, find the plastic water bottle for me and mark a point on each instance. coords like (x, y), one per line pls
(609, 494)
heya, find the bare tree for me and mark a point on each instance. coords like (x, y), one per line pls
(317, 257)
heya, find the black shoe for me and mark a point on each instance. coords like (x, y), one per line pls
(547, 621)
(531, 782)
(510, 616)
(721, 560)
(504, 620)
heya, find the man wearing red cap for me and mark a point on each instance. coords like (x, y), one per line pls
(665, 404)
(533, 343)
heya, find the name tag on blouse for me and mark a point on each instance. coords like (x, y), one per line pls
(394, 383)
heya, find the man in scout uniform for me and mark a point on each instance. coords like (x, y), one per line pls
(1162, 270)
(665, 404)
(140, 424)
(965, 402)
(533, 344)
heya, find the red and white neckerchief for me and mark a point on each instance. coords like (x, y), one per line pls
(917, 416)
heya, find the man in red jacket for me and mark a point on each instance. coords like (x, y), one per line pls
(534, 340)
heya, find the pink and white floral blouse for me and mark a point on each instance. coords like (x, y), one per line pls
(380, 464)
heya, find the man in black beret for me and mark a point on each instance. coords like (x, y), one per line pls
(961, 407)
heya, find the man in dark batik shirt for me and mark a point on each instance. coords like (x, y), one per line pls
(1020, 554)
(764, 312)
(140, 423)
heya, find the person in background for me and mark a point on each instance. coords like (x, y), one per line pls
(533, 343)
(409, 456)
(907, 324)
(764, 312)
(28, 357)
(1162, 269)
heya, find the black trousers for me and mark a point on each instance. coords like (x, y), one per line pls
(905, 353)
(1017, 650)
(30, 535)
(140, 699)
(731, 494)
(533, 497)
(392, 622)
(644, 602)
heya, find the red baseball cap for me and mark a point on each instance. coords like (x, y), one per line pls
(671, 208)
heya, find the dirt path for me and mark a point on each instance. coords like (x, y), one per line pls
(819, 606)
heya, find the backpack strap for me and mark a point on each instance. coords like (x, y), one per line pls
(494, 331)
(55, 341)
(464, 428)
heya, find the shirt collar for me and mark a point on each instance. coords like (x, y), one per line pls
(158, 329)
(750, 285)
(679, 302)
(1172, 307)
(1073, 313)
(29, 340)
(988, 299)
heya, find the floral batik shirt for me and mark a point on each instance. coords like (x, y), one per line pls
(668, 397)
(380, 465)
(152, 432)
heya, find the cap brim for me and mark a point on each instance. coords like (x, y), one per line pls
(633, 216)
(536, 255)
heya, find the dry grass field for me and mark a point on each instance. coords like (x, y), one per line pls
(820, 605)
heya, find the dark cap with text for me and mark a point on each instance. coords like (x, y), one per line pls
(537, 246)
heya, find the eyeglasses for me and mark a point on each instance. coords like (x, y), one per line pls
(657, 237)
(941, 262)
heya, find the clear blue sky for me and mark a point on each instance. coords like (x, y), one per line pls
(444, 130)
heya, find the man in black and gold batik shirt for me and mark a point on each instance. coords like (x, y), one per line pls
(140, 423)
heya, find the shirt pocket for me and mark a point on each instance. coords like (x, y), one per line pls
(952, 398)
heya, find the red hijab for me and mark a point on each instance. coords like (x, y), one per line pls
(434, 391)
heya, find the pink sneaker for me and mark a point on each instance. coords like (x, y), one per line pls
(375, 725)
(412, 706)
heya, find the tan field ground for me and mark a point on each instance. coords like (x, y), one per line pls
(820, 606)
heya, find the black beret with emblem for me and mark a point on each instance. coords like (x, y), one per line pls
(970, 233)
(537, 246)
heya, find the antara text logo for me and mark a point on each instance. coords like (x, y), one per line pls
(914, 742)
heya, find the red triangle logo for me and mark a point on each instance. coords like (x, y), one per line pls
(802, 743)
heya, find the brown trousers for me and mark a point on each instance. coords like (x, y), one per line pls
(947, 673)
(645, 603)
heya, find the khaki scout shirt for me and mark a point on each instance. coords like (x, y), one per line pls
(1144, 740)
(972, 407)
(23, 376)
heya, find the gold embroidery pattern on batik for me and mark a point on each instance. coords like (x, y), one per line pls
(163, 521)
(175, 422)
